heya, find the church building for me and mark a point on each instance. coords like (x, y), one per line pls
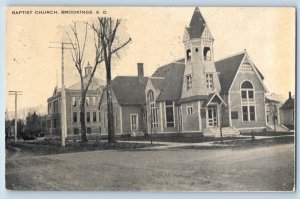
(198, 94)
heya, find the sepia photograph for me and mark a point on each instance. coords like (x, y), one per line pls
(154, 99)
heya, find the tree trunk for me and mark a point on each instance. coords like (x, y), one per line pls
(221, 123)
(82, 118)
(110, 115)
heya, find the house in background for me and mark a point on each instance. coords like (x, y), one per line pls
(196, 93)
(287, 112)
(128, 96)
(273, 118)
(73, 98)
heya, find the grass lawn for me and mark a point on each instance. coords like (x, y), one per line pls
(54, 147)
(244, 143)
(177, 137)
(269, 133)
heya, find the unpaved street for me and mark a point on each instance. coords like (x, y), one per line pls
(253, 169)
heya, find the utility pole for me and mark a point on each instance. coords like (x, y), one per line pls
(16, 93)
(63, 94)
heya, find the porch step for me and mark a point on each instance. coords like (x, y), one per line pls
(278, 127)
(215, 132)
(137, 133)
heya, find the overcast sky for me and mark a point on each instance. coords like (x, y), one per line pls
(268, 34)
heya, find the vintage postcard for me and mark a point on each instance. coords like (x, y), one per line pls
(150, 98)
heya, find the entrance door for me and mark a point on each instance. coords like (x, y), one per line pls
(212, 116)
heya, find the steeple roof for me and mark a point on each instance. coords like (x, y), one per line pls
(197, 24)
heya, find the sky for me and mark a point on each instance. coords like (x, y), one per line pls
(268, 35)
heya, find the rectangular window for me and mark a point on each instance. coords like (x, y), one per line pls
(76, 131)
(99, 116)
(190, 110)
(134, 121)
(74, 116)
(94, 116)
(209, 81)
(252, 113)
(250, 95)
(189, 82)
(88, 117)
(74, 101)
(87, 101)
(89, 130)
(169, 114)
(153, 115)
(244, 94)
(245, 113)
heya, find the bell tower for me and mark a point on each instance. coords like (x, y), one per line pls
(200, 77)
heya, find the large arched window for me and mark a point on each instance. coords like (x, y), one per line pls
(247, 91)
(248, 103)
(153, 118)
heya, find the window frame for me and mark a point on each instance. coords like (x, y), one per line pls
(189, 110)
(248, 102)
(209, 77)
(75, 113)
(137, 122)
(153, 118)
(169, 107)
(94, 116)
(189, 82)
(88, 117)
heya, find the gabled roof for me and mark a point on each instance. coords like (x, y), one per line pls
(228, 68)
(172, 85)
(211, 98)
(197, 25)
(95, 84)
(129, 91)
(288, 104)
(267, 100)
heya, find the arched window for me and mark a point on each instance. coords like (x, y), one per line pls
(206, 54)
(248, 103)
(188, 54)
(153, 118)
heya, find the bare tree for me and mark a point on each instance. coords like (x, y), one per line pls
(222, 111)
(77, 53)
(106, 30)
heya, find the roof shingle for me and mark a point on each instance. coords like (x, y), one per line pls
(129, 91)
(227, 69)
(197, 25)
(288, 104)
(172, 86)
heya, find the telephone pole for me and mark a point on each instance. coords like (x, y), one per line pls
(16, 93)
(63, 94)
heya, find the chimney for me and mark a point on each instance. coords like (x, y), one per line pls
(290, 95)
(88, 70)
(140, 67)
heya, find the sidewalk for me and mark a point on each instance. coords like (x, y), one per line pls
(167, 145)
